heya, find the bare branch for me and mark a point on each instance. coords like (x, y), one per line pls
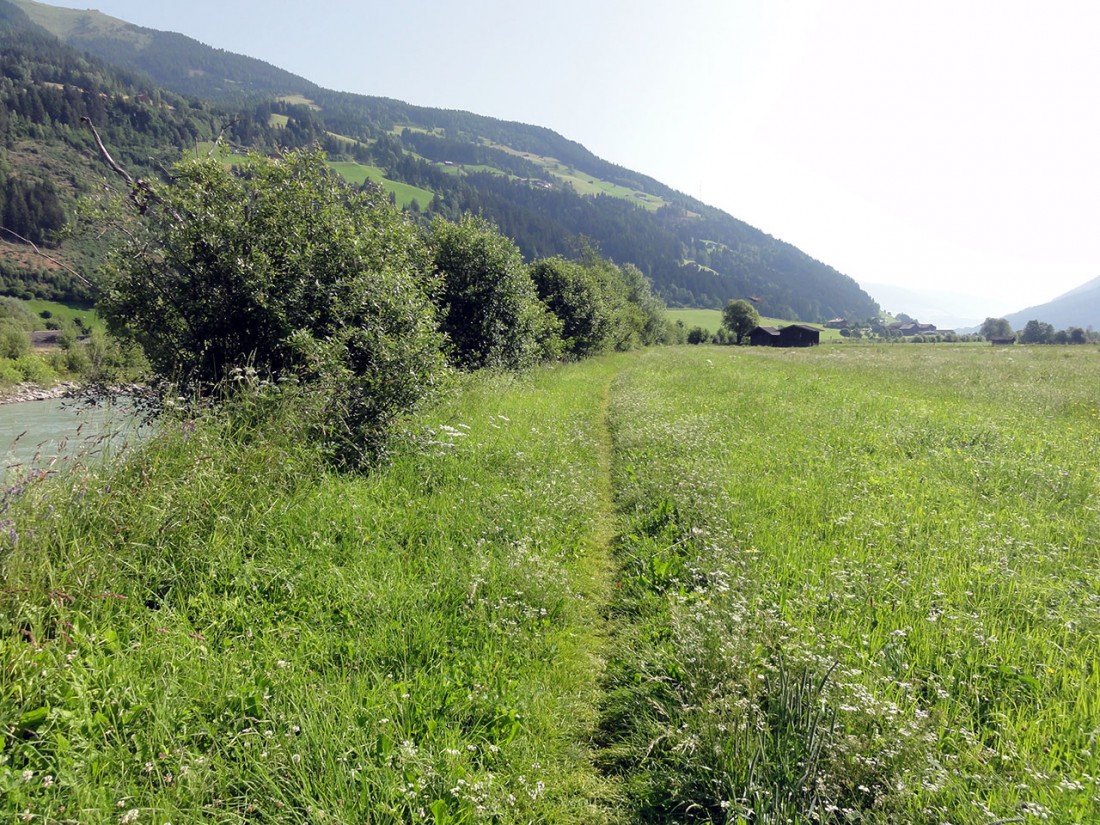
(221, 134)
(107, 155)
(141, 193)
(49, 258)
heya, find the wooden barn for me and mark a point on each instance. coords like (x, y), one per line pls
(799, 335)
(764, 337)
(792, 335)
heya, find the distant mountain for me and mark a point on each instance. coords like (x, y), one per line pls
(947, 310)
(1080, 307)
(549, 193)
(170, 60)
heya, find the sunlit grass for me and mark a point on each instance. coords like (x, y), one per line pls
(851, 584)
(221, 630)
(404, 193)
(912, 529)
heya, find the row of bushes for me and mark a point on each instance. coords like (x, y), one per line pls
(279, 267)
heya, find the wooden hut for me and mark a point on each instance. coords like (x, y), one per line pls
(764, 337)
(799, 335)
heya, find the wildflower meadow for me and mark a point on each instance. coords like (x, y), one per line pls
(688, 584)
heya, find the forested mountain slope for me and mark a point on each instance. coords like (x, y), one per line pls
(550, 194)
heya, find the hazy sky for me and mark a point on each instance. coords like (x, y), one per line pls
(932, 144)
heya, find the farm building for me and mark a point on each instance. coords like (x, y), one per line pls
(764, 337)
(1002, 340)
(799, 335)
(793, 335)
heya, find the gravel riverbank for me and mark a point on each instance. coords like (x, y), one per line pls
(34, 392)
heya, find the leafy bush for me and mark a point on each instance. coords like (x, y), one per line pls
(278, 266)
(14, 341)
(575, 296)
(14, 310)
(489, 308)
(34, 369)
(9, 373)
(698, 335)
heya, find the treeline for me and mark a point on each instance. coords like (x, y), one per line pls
(22, 280)
(336, 293)
(48, 89)
(29, 208)
(1040, 332)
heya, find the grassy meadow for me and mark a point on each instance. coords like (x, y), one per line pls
(403, 193)
(693, 584)
(711, 320)
(65, 313)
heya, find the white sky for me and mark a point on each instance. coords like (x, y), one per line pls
(932, 144)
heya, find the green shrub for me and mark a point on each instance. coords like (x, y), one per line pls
(34, 369)
(489, 308)
(277, 266)
(73, 360)
(574, 295)
(9, 373)
(14, 341)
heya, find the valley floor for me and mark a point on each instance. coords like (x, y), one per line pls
(684, 585)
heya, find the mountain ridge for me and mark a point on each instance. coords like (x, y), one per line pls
(548, 192)
(1080, 307)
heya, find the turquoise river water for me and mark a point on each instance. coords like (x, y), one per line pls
(45, 434)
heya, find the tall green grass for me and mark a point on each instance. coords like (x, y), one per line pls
(851, 584)
(858, 585)
(221, 630)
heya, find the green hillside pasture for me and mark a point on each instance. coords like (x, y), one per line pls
(299, 100)
(708, 319)
(350, 171)
(584, 183)
(350, 141)
(473, 168)
(404, 193)
(65, 313)
(397, 130)
(221, 153)
(64, 22)
(221, 632)
(859, 581)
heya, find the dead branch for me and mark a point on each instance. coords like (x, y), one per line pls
(49, 258)
(141, 193)
(221, 134)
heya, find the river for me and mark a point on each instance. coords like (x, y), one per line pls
(40, 434)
